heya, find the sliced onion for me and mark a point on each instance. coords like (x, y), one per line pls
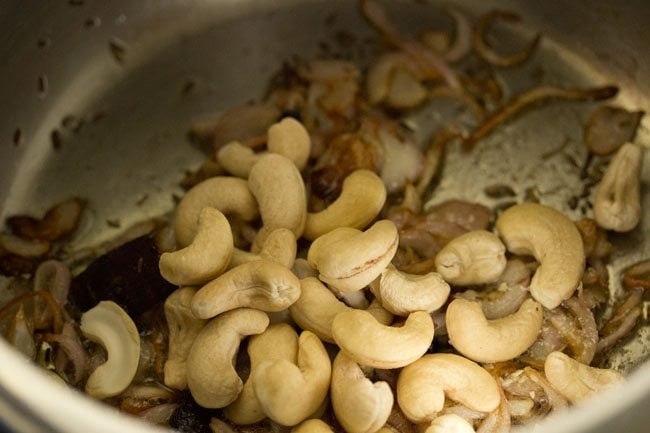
(58, 222)
(638, 275)
(21, 247)
(53, 276)
(555, 399)
(70, 345)
(609, 128)
(623, 321)
(403, 160)
(530, 97)
(159, 414)
(463, 41)
(486, 52)
(497, 421)
(434, 156)
(588, 328)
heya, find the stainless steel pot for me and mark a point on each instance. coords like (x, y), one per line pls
(133, 74)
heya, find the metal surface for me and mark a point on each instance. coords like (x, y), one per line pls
(131, 151)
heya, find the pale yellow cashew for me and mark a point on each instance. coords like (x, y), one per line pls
(289, 138)
(402, 293)
(312, 426)
(263, 285)
(237, 159)
(362, 197)
(496, 340)
(554, 240)
(449, 423)
(206, 257)
(211, 375)
(279, 247)
(422, 386)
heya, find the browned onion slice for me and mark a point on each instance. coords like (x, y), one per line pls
(487, 53)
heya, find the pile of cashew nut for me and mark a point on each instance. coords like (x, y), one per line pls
(320, 319)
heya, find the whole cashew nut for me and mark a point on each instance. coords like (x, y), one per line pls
(277, 342)
(362, 197)
(183, 330)
(109, 325)
(290, 392)
(277, 185)
(422, 386)
(289, 138)
(206, 257)
(361, 337)
(577, 381)
(617, 205)
(496, 340)
(237, 159)
(359, 405)
(229, 195)
(214, 350)
(553, 240)
(348, 259)
(263, 285)
(312, 426)
(279, 247)
(476, 257)
(450, 423)
(402, 293)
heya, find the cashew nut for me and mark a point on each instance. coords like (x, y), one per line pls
(368, 342)
(496, 340)
(211, 375)
(553, 240)
(476, 257)
(277, 342)
(109, 325)
(289, 138)
(362, 197)
(303, 269)
(237, 159)
(183, 330)
(356, 299)
(422, 386)
(402, 293)
(359, 405)
(312, 426)
(279, 247)
(229, 195)
(349, 259)
(617, 204)
(279, 189)
(577, 381)
(380, 314)
(263, 285)
(206, 257)
(290, 392)
(449, 423)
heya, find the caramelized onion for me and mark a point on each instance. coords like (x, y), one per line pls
(463, 41)
(58, 222)
(623, 320)
(486, 52)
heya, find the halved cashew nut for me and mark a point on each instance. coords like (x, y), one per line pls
(263, 285)
(206, 257)
(109, 325)
(362, 197)
(449, 423)
(229, 195)
(349, 259)
(312, 426)
(279, 247)
(496, 340)
(359, 405)
(277, 185)
(290, 392)
(237, 159)
(361, 337)
(277, 342)
(211, 375)
(402, 293)
(289, 138)
(617, 205)
(577, 381)
(422, 386)
(553, 240)
(476, 257)
(183, 330)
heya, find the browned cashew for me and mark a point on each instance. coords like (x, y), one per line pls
(496, 340)
(183, 330)
(229, 195)
(277, 342)
(348, 259)
(211, 375)
(206, 257)
(361, 337)
(422, 386)
(264, 285)
(359, 405)
(553, 240)
(290, 392)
